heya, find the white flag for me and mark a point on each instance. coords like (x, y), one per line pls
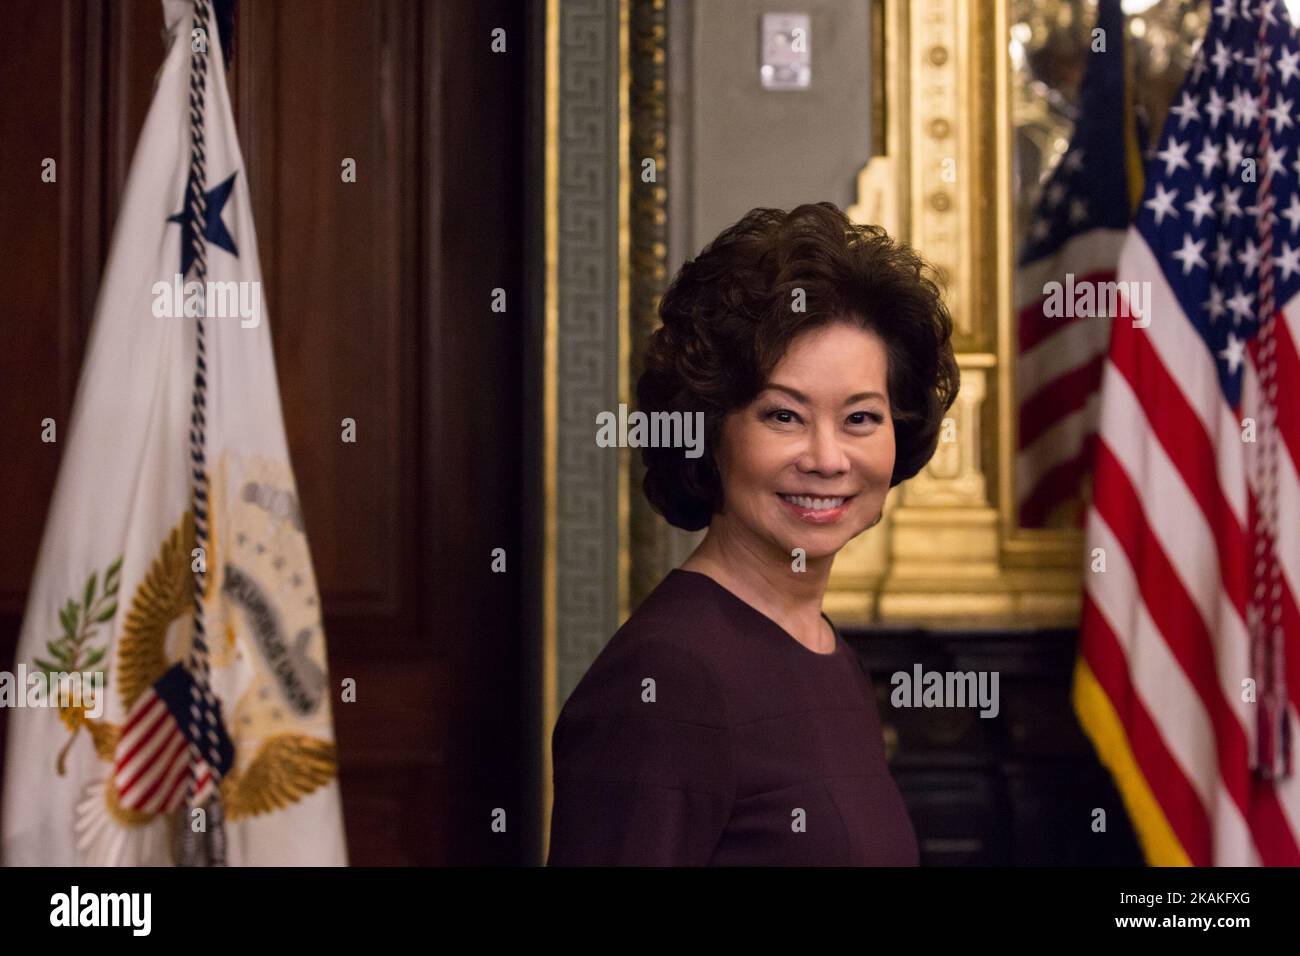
(94, 779)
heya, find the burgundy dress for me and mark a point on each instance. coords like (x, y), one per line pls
(748, 749)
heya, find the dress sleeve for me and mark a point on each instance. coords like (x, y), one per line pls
(643, 771)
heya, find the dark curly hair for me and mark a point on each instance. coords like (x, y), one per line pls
(727, 321)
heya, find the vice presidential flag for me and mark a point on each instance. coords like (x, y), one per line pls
(1063, 286)
(174, 561)
(1189, 663)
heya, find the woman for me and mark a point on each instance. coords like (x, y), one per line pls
(727, 722)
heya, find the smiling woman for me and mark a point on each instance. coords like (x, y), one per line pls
(726, 722)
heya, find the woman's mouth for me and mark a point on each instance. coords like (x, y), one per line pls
(817, 509)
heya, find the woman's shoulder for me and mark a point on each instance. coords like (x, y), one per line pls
(661, 655)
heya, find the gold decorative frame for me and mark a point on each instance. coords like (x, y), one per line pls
(955, 552)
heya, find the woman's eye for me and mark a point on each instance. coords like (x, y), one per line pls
(861, 418)
(783, 415)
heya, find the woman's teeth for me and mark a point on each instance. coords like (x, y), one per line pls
(814, 504)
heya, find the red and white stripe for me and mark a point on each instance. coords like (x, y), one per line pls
(153, 761)
(1165, 623)
(1058, 370)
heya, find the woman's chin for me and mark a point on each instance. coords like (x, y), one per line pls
(821, 545)
(822, 539)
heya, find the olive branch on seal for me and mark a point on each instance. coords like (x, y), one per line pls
(80, 621)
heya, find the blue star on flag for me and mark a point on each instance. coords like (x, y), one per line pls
(215, 232)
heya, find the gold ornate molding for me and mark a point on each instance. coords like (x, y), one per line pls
(949, 550)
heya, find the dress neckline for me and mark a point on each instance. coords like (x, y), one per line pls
(735, 598)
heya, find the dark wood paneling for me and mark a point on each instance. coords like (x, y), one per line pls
(472, 168)
(43, 239)
(129, 58)
(341, 299)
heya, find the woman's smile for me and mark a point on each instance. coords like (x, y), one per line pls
(817, 509)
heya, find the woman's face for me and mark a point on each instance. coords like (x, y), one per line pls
(807, 464)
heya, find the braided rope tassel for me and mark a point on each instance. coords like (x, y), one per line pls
(1271, 757)
(203, 708)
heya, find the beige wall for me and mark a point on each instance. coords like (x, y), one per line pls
(737, 145)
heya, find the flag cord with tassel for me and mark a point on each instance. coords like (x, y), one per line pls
(203, 708)
(1271, 758)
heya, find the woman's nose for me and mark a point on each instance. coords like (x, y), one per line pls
(823, 453)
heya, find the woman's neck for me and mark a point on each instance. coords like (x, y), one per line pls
(767, 580)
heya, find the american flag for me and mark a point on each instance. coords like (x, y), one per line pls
(1189, 664)
(157, 765)
(1074, 240)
